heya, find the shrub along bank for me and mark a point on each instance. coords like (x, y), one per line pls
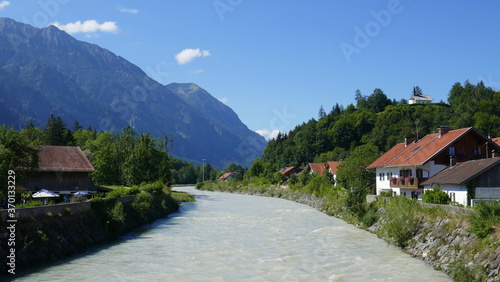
(43, 239)
(465, 245)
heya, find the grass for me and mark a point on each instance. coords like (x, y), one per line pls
(183, 197)
(114, 187)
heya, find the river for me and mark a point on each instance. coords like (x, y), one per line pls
(231, 237)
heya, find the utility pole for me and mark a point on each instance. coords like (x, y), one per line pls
(203, 160)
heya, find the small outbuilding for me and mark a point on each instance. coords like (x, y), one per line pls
(227, 176)
(61, 169)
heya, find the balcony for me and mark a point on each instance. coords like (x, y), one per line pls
(407, 183)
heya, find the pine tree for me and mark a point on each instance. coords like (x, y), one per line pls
(321, 113)
(56, 133)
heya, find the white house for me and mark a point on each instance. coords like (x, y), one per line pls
(478, 179)
(420, 99)
(332, 169)
(404, 168)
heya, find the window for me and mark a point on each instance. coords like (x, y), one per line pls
(452, 151)
(477, 151)
(382, 176)
(420, 173)
(405, 172)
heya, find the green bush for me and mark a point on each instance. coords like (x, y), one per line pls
(118, 192)
(117, 217)
(154, 187)
(400, 219)
(436, 196)
(370, 216)
(356, 198)
(134, 190)
(200, 185)
(482, 221)
(385, 194)
(461, 272)
(142, 204)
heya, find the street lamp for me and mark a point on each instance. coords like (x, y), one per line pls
(203, 160)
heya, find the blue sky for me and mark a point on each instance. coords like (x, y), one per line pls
(275, 62)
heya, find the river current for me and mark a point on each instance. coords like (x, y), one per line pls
(231, 237)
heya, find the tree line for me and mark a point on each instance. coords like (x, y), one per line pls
(123, 158)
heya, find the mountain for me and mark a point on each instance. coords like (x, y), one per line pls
(45, 71)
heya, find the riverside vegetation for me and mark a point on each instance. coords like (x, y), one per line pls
(464, 243)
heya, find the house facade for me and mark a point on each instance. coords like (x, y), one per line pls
(61, 169)
(474, 180)
(404, 168)
(332, 169)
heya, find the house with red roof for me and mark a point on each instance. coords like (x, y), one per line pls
(331, 167)
(227, 176)
(319, 168)
(404, 168)
(322, 168)
(61, 169)
(289, 170)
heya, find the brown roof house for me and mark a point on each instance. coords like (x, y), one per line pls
(405, 166)
(475, 180)
(322, 168)
(61, 169)
(289, 170)
(227, 176)
(319, 168)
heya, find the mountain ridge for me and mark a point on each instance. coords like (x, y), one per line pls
(82, 81)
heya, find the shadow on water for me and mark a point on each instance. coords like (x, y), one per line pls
(136, 234)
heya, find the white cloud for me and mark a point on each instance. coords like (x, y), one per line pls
(224, 100)
(268, 135)
(88, 26)
(4, 4)
(127, 10)
(197, 71)
(187, 55)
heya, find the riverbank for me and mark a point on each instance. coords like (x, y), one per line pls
(61, 233)
(434, 234)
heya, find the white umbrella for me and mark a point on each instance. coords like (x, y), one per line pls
(44, 193)
(81, 193)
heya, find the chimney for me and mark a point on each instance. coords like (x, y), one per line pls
(442, 130)
(408, 141)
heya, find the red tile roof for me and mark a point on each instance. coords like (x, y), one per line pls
(420, 152)
(318, 168)
(333, 166)
(463, 172)
(496, 140)
(63, 158)
(225, 175)
(287, 169)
